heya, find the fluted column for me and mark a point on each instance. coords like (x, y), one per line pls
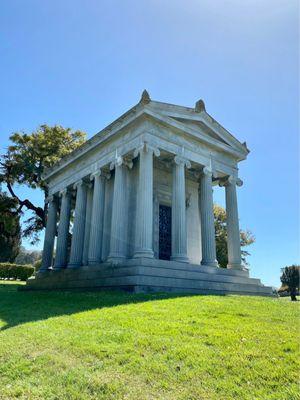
(49, 234)
(63, 230)
(79, 225)
(88, 224)
(118, 233)
(179, 233)
(96, 234)
(144, 210)
(207, 219)
(233, 230)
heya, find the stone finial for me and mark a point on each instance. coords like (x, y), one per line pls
(145, 99)
(200, 106)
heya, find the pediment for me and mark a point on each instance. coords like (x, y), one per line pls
(198, 125)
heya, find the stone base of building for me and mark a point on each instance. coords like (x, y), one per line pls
(151, 275)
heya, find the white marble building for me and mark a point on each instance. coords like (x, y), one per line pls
(138, 200)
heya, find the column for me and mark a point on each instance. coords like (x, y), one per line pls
(96, 234)
(233, 230)
(79, 225)
(144, 210)
(63, 230)
(179, 233)
(118, 233)
(49, 235)
(88, 224)
(207, 219)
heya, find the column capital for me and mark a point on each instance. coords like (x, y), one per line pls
(179, 160)
(81, 182)
(231, 180)
(64, 192)
(145, 146)
(121, 160)
(207, 171)
(50, 199)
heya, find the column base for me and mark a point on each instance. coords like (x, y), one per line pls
(179, 258)
(58, 267)
(74, 265)
(236, 266)
(41, 271)
(114, 259)
(210, 263)
(93, 262)
(143, 254)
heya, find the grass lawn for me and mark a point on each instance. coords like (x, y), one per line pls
(99, 345)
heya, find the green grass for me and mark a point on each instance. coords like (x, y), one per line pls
(98, 345)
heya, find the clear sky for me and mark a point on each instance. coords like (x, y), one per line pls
(83, 63)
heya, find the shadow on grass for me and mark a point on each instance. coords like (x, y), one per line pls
(19, 307)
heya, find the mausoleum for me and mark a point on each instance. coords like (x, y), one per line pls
(132, 208)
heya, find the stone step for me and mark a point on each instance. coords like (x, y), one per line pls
(153, 283)
(108, 270)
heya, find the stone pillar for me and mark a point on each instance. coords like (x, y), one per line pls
(207, 219)
(88, 222)
(63, 230)
(79, 225)
(179, 232)
(118, 232)
(49, 235)
(144, 210)
(96, 235)
(233, 230)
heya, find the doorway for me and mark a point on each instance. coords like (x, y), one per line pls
(165, 232)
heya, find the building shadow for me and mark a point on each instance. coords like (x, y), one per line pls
(19, 307)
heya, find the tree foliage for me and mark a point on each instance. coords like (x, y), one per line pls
(25, 161)
(26, 257)
(10, 230)
(221, 238)
(290, 277)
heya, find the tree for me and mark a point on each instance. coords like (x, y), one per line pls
(290, 277)
(27, 256)
(10, 229)
(221, 238)
(26, 160)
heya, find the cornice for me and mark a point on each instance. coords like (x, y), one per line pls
(147, 109)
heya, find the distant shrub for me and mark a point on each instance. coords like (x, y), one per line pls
(37, 265)
(15, 271)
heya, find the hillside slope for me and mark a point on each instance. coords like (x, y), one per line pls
(99, 345)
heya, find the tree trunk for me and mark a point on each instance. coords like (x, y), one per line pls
(293, 293)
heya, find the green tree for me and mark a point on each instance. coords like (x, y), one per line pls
(290, 277)
(10, 230)
(25, 161)
(221, 238)
(26, 257)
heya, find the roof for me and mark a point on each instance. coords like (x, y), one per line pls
(188, 119)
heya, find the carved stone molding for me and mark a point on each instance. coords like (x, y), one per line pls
(230, 180)
(181, 160)
(145, 146)
(207, 171)
(79, 183)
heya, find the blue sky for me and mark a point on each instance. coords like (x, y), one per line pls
(83, 63)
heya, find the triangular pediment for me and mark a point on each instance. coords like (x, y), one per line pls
(193, 122)
(198, 125)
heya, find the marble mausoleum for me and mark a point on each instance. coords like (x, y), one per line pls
(132, 208)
